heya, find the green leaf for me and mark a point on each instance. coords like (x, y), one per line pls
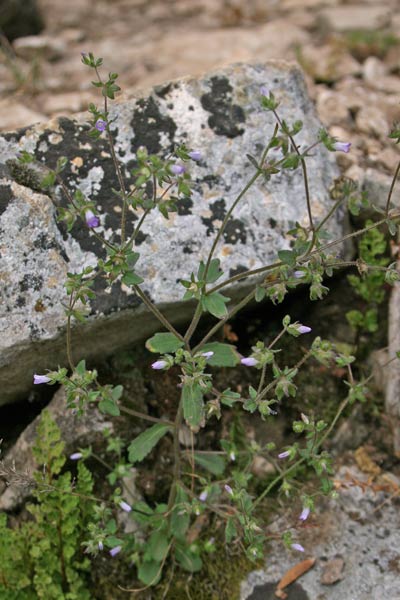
(215, 463)
(214, 271)
(288, 257)
(132, 278)
(230, 531)
(109, 407)
(180, 519)
(188, 560)
(163, 343)
(215, 304)
(225, 355)
(157, 546)
(260, 294)
(193, 405)
(150, 572)
(145, 442)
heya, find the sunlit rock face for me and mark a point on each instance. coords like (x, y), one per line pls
(221, 116)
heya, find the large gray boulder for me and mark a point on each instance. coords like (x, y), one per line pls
(220, 115)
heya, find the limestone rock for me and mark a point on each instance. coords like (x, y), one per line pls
(220, 115)
(14, 114)
(75, 432)
(44, 46)
(361, 527)
(392, 392)
(356, 16)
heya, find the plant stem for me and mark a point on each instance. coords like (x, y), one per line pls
(177, 456)
(140, 415)
(152, 307)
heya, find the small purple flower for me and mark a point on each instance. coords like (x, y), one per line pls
(342, 146)
(115, 551)
(208, 354)
(125, 506)
(76, 456)
(178, 169)
(159, 364)
(249, 362)
(40, 379)
(84, 54)
(101, 125)
(304, 514)
(100, 545)
(299, 274)
(195, 155)
(285, 454)
(298, 547)
(232, 456)
(228, 489)
(304, 329)
(203, 496)
(263, 91)
(91, 220)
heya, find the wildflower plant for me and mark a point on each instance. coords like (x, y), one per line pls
(216, 482)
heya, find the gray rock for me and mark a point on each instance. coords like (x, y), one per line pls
(392, 392)
(361, 528)
(219, 115)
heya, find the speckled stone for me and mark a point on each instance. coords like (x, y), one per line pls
(220, 115)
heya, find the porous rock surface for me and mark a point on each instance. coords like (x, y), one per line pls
(220, 115)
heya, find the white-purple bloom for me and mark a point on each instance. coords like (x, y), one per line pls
(249, 362)
(208, 354)
(303, 329)
(263, 91)
(100, 545)
(342, 146)
(178, 169)
(228, 489)
(195, 155)
(114, 551)
(101, 125)
(203, 496)
(125, 506)
(285, 454)
(304, 514)
(91, 220)
(76, 456)
(298, 547)
(299, 274)
(232, 456)
(40, 379)
(159, 364)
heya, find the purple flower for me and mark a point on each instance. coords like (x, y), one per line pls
(159, 364)
(304, 514)
(91, 220)
(100, 545)
(203, 496)
(84, 54)
(299, 274)
(228, 489)
(125, 506)
(342, 146)
(208, 354)
(101, 125)
(284, 454)
(76, 456)
(195, 155)
(114, 551)
(249, 362)
(303, 329)
(178, 169)
(40, 379)
(298, 547)
(232, 456)
(263, 91)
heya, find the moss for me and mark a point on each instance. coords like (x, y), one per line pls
(219, 579)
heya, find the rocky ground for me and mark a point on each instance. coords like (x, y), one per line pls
(351, 54)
